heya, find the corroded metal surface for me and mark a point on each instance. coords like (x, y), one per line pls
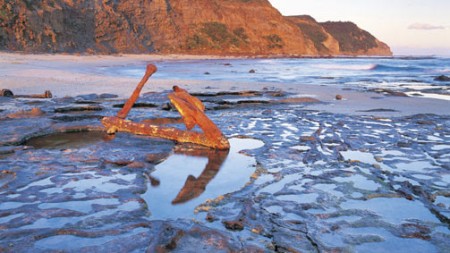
(169, 133)
(151, 69)
(192, 113)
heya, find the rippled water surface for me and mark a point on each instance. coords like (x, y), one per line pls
(412, 75)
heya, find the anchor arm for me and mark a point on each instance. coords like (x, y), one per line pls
(169, 133)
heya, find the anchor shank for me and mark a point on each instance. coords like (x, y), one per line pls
(151, 69)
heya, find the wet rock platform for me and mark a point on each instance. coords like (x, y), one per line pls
(295, 179)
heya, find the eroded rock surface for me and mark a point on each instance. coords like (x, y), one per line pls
(320, 182)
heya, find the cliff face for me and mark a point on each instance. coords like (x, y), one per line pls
(222, 27)
(323, 41)
(355, 41)
(231, 27)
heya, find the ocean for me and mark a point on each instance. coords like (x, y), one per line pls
(413, 76)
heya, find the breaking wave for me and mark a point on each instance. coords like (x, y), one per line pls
(367, 67)
(382, 67)
(346, 67)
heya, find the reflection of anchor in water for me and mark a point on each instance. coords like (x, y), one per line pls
(194, 187)
(191, 110)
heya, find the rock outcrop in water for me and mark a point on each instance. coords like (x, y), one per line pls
(227, 27)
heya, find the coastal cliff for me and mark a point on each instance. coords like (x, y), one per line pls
(324, 42)
(207, 27)
(355, 41)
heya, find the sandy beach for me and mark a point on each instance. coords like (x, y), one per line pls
(305, 172)
(72, 75)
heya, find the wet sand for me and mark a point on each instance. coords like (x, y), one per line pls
(369, 173)
(69, 75)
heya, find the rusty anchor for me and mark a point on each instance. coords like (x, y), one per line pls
(191, 110)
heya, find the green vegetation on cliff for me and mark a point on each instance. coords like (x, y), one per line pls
(224, 27)
(216, 35)
(350, 37)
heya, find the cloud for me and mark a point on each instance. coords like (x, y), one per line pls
(422, 26)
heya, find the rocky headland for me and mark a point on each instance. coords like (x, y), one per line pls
(205, 27)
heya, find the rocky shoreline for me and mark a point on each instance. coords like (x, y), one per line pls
(321, 180)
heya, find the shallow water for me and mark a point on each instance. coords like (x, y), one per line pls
(67, 140)
(412, 75)
(185, 181)
(362, 173)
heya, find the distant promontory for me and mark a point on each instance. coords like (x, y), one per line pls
(202, 27)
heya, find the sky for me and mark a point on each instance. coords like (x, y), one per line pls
(409, 27)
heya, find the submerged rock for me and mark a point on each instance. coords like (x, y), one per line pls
(390, 92)
(35, 112)
(442, 78)
(71, 109)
